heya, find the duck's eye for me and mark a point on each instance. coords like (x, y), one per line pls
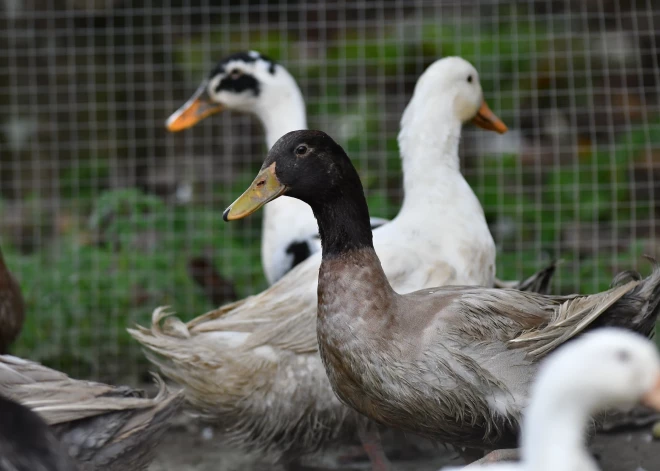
(469, 79)
(235, 73)
(623, 356)
(301, 150)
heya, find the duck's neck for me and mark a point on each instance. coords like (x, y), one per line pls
(344, 222)
(428, 141)
(554, 430)
(282, 112)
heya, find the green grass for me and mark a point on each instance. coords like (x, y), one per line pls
(130, 257)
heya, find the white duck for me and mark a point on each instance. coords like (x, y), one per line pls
(252, 83)
(605, 369)
(254, 365)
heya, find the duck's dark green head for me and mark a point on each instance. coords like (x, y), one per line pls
(307, 165)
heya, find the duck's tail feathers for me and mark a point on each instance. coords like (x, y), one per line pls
(167, 336)
(632, 304)
(638, 310)
(170, 346)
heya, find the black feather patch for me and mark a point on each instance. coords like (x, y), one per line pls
(242, 82)
(244, 56)
(237, 85)
(300, 251)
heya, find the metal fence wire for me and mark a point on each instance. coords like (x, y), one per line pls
(105, 215)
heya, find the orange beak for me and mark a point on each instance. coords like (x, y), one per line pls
(193, 111)
(652, 398)
(486, 119)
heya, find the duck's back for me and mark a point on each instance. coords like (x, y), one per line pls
(452, 245)
(26, 442)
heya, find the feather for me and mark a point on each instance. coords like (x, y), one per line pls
(106, 427)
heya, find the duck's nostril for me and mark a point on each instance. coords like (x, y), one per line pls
(261, 183)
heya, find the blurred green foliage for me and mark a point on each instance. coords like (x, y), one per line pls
(128, 254)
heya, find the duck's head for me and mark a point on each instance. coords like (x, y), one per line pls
(451, 86)
(308, 165)
(245, 81)
(609, 367)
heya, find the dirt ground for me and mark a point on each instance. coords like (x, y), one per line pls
(190, 446)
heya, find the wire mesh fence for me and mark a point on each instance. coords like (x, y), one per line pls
(105, 214)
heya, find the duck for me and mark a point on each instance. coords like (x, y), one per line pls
(12, 308)
(607, 369)
(252, 83)
(451, 363)
(27, 443)
(253, 366)
(102, 427)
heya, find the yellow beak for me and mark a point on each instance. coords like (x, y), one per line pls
(193, 111)
(486, 119)
(266, 187)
